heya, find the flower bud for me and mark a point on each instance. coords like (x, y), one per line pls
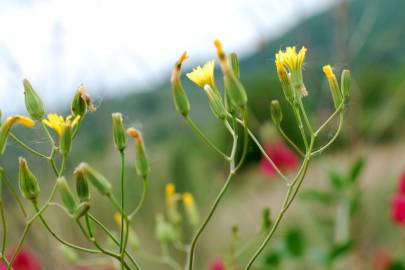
(66, 195)
(191, 209)
(266, 221)
(33, 102)
(120, 139)
(78, 105)
(235, 64)
(6, 126)
(215, 102)
(233, 87)
(165, 231)
(66, 139)
(81, 210)
(27, 181)
(95, 178)
(171, 204)
(82, 187)
(345, 82)
(141, 158)
(276, 112)
(179, 95)
(284, 78)
(333, 85)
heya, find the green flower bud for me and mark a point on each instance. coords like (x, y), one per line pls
(33, 102)
(78, 105)
(191, 209)
(141, 158)
(66, 195)
(266, 220)
(82, 187)
(120, 139)
(27, 181)
(333, 85)
(345, 83)
(95, 178)
(82, 209)
(276, 112)
(165, 231)
(215, 102)
(179, 95)
(8, 124)
(235, 64)
(233, 87)
(66, 139)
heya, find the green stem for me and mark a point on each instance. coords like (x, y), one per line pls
(281, 131)
(122, 233)
(114, 239)
(329, 143)
(304, 113)
(4, 224)
(288, 199)
(207, 219)
(207, 141)
(245, 138)
(26, 147)
(45, 129)
(301, 126)
(63, 166)
(15, 194)
(142, 200)
(79, 124)
(333, 115)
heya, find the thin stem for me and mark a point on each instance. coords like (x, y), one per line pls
(47, 133)
(15, 194)
(207, 219)
(204, 138)
(4, 224)
(333, 115)
(288, 199)
(79, 124)
(301, 126)
(329, 143)
(63, 166)
(281, 131)
(114, 239)
(20, 243)
(168, 259)
(304, 113)
(122, 233)
(245, 138)
(26, 147)
(142, 200)
(53, 233)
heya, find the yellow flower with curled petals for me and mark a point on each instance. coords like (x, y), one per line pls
(57, 122)
(204, 75)
(291, 62)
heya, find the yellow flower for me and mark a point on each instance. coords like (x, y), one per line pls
(292, 62)
(204, 75)
(170, 194)
(327, 69)
(118, 218)
(188, 200)
(57, 122)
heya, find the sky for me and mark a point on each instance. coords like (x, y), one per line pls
(109, 45)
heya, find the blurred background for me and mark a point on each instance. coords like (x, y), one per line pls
(123, 52)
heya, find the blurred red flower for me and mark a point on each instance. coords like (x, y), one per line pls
(283, 157)
(382, 260)
(25, 260)
(398, 209)
(217, 265)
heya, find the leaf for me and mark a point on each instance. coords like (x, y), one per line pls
(316, 196)
(356, 169)
(295, 242)
(340, 250)
(336, 179)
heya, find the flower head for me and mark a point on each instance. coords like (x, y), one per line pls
(204, 75)
(57, 122)
(170, 194)
(291, 62)
(398, 209)
(217, 265)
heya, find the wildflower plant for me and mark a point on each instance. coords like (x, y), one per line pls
(229, 105)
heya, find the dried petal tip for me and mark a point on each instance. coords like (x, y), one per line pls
(132, 132)
(182, 58)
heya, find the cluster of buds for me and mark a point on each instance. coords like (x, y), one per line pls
(234, 97)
